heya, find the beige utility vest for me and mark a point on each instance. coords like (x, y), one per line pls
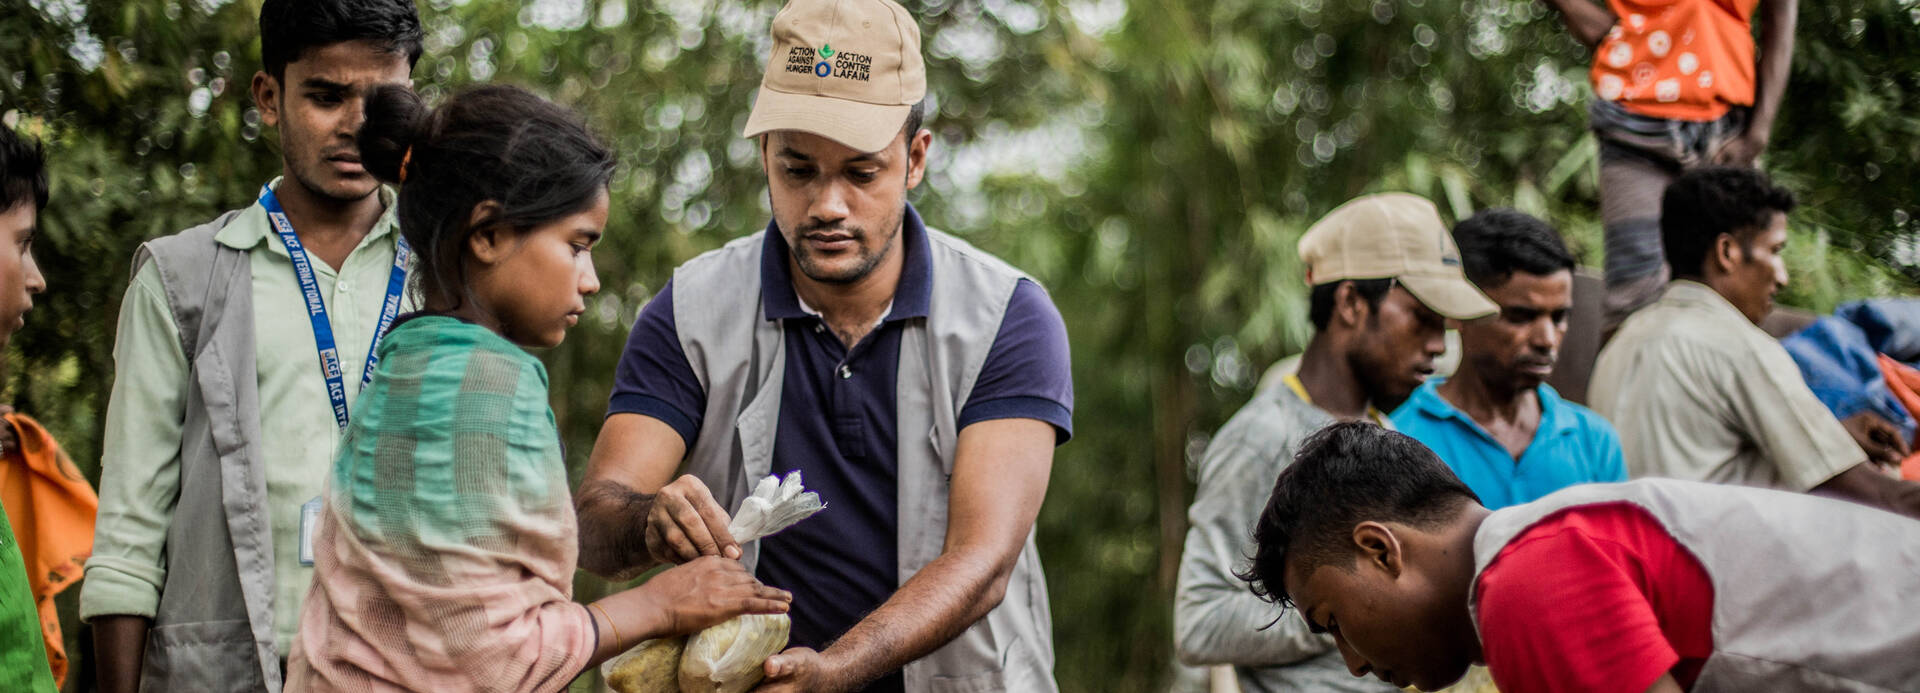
(1809, 594)
(740, 357)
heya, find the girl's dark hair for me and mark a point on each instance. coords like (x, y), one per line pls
(537, 160)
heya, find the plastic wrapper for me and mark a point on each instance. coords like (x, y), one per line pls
(730, 657)
(652, 667)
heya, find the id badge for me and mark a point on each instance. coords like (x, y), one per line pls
(309, 518)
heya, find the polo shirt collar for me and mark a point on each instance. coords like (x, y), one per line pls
(1553, 418)
(251, 227)
(911, 298)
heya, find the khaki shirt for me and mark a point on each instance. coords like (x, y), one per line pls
(140, 459)
(1699, 392)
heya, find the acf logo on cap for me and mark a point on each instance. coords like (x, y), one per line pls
(826, 62)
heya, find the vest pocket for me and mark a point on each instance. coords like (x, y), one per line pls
(202, 656)
(989, 681)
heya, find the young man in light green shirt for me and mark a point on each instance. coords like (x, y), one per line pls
(328, 269)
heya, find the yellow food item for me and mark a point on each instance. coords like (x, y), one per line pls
(651, 667)
(731, 657)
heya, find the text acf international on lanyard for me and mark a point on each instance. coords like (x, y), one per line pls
(317, 308)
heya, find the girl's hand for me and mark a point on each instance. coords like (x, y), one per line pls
(704, 592)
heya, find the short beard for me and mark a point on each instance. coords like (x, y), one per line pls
(803, 256)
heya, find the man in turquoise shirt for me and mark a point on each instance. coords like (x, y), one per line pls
(1506, 433)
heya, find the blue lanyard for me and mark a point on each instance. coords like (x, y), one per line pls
(317, 308)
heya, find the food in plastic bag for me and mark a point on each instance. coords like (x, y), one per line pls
(653, 667)
(730, 657)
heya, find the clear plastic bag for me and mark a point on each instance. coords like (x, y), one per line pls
(730, 657)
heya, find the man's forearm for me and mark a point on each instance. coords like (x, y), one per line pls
(613, 521)
(1778, 18)
(934, 607)
(1865, 485)
(1586, 20)
(119, 646)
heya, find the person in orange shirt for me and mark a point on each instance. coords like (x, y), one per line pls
(1677, 87)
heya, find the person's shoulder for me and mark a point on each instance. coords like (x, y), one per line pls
(1031, 306)
(1672, 331)
(1275, 420)
(948, 247)
(727, 257)
(453, 352)
(1587, 421)
(189, 245)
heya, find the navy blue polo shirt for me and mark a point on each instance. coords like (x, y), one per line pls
(838, 423)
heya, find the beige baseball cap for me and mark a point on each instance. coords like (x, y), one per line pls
(846, 70)
(1398, 236)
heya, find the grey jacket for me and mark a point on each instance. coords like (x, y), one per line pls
(213, 628)
(740, 360)
(1809, 594)
(1216, 619)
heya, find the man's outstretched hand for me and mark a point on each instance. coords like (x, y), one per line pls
(799, 670)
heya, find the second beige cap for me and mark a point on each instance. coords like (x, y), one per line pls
(1398, 236)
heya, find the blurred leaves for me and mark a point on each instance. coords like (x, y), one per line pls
(1152, 163)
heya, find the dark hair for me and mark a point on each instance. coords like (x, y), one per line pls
(23, 171)
(1343, 475)
(1706, 202)
(1320, 301)
(1495, 243)
(290, 28)
(536, 159)
(915, 117)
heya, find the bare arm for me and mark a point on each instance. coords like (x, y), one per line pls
(119, 644)
(1776, 60)
(1864, 484)
(1000, 475)
(1586, 20)
(1777, 19)
(631, 517)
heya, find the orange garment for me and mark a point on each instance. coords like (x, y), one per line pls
(51, 508)
(1677, 59)
(1904, 381)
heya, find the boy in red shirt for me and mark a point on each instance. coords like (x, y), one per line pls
(1654, 585)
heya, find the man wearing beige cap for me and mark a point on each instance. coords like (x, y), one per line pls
(919, 384)
(1386, 277)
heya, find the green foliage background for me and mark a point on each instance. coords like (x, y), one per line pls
(1153, 163)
